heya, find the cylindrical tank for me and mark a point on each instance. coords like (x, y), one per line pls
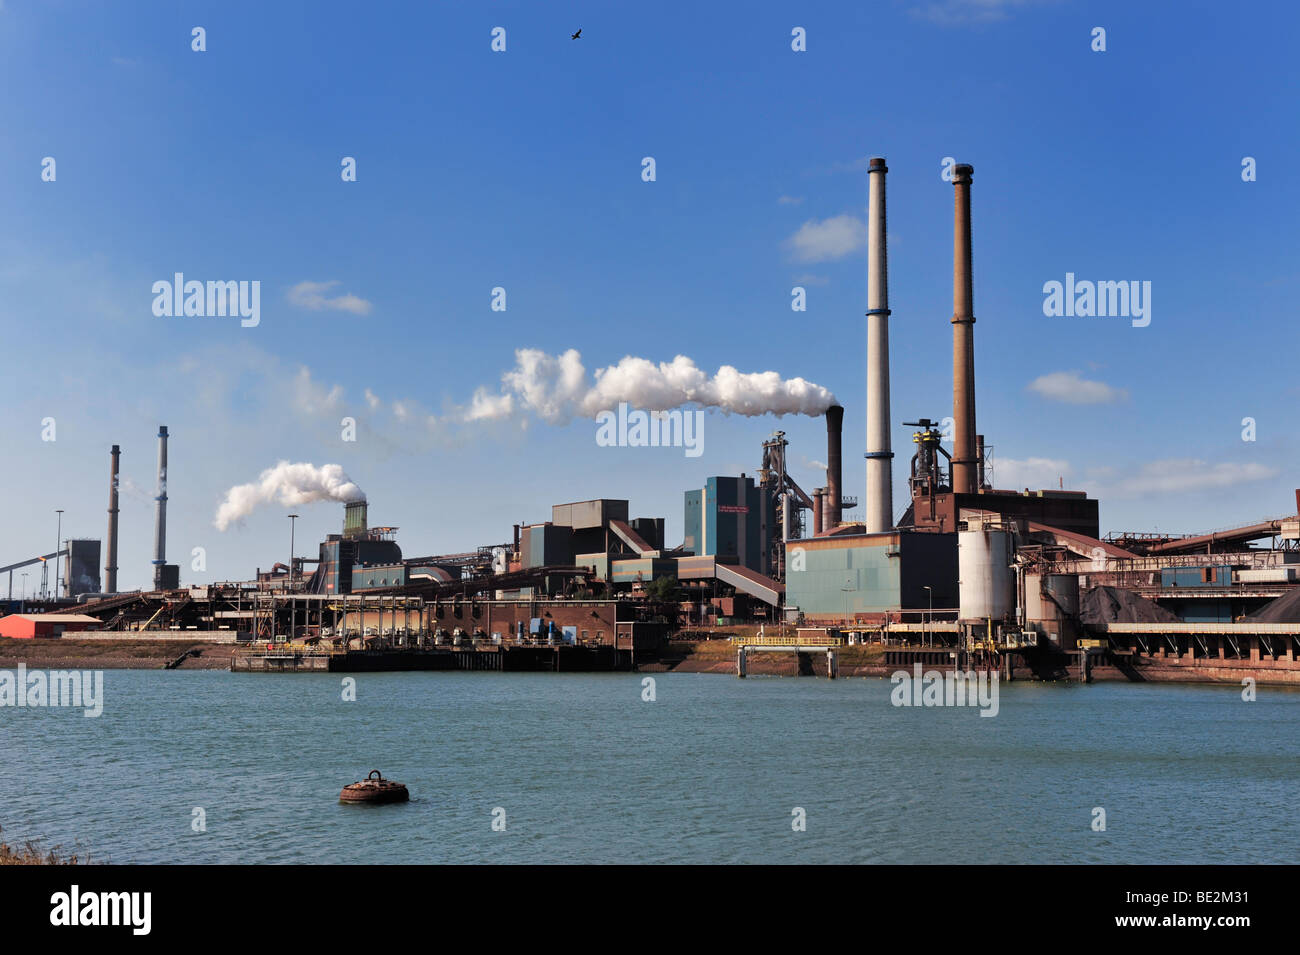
(986, 583)
(1052, 606)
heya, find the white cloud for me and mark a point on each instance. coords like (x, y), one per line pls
(1071, 388)
(956, 12)
(312, 398)
(1168, 476)
(312, 295)
(861, 164)
(827, 240)
(1184, 475)
(790, 200)
(1033, 473)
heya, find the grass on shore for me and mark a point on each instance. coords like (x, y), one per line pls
(31, 853)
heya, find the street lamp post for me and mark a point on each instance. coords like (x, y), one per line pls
(58, 542)
(24, 587)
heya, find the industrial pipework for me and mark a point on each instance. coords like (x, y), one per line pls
(880, 500)
(110, 569)
(964, 465)
(160, 512)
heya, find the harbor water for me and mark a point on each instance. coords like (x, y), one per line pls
(215, 767)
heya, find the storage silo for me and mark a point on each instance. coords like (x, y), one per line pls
(986, 584)
(1052, 607)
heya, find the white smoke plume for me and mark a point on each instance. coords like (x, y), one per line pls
(290, 484)
(556, 389)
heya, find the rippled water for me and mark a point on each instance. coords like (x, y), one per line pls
(708, 772)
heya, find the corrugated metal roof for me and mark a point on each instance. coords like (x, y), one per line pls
(55, 617)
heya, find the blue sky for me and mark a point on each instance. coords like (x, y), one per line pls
(522, 169)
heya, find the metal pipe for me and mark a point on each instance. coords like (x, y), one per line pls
(832, 507)
(160, 512)
(964, 465)
(110, 571)
(880, 501)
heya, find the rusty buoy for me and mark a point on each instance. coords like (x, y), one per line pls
(374, 788)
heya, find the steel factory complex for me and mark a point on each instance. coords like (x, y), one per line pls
(961, 571)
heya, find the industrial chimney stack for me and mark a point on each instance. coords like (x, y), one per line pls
(160, 518)
(832, 506)
(880, 494)
(110, 568)
(965, 467)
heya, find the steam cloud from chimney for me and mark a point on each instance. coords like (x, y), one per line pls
(290, 484)
(557, 389)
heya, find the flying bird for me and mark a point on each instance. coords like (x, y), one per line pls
(578, 35)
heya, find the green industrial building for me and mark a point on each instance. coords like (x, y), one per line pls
(861, 577)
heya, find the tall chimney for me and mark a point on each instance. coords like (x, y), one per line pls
(160, 512)
(831, 507)
(110, 567)
(819, 500)
(880, 492)
(964, 465)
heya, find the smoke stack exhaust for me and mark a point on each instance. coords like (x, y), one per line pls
(831, 504)
(110, 567)
(819, 500)
(160, 512)
(880, 491)
(965, 467)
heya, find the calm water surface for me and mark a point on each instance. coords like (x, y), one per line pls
(709, 772)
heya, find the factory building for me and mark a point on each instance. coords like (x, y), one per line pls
(26, 626)
(859, 578)
(596, 534)
(730, 519)
(362, 550)
(81, 568)
(953, 547)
